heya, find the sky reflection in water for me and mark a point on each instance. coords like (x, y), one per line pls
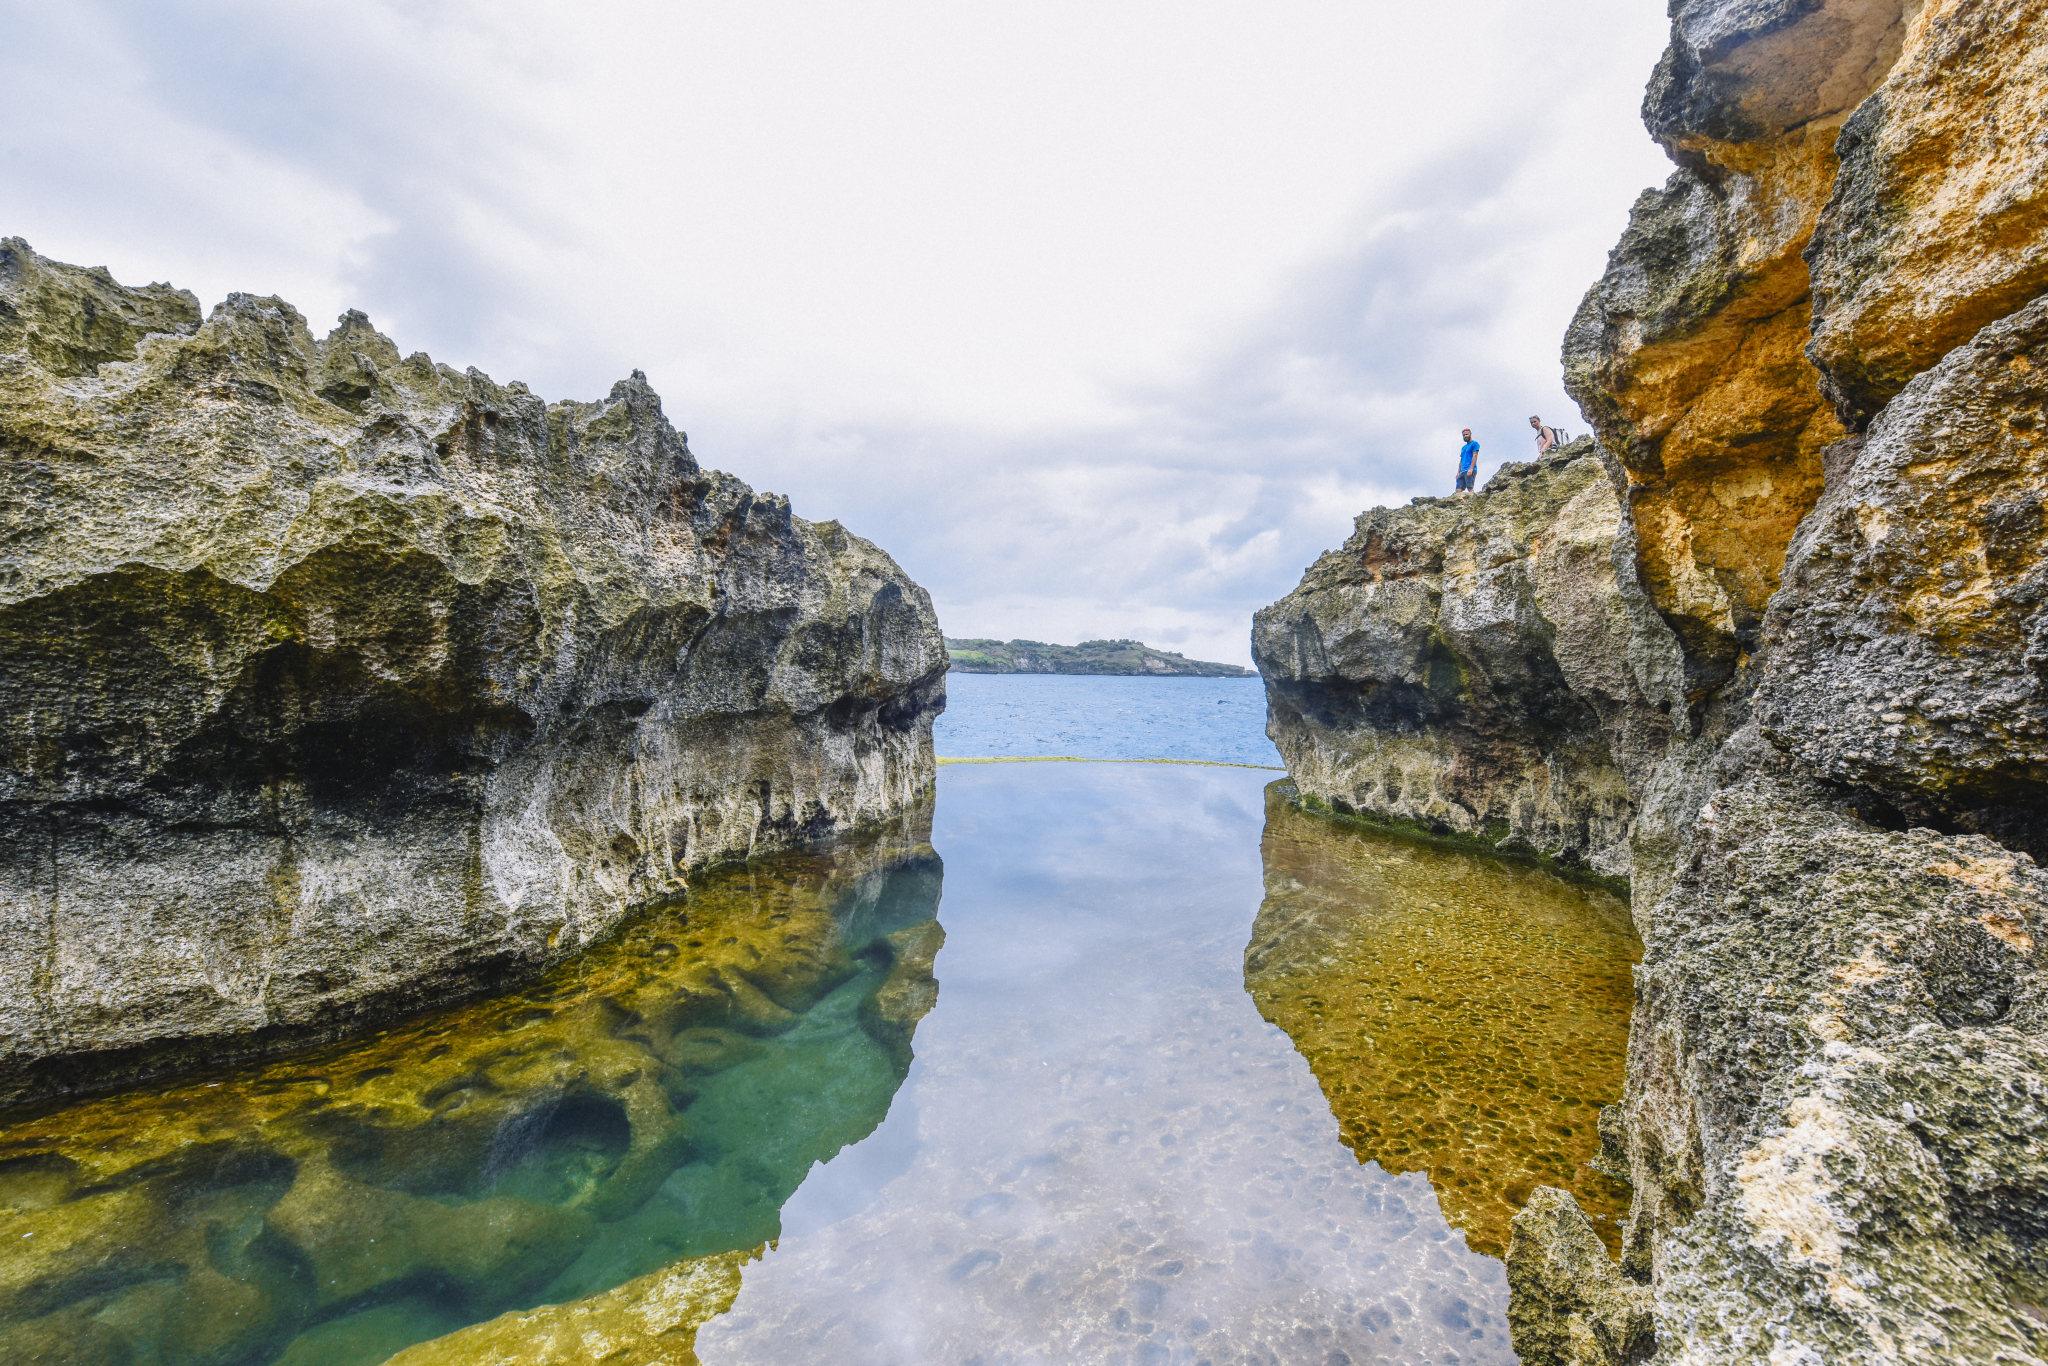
(1102, 1152)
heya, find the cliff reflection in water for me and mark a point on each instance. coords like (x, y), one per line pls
(1466, 1016)
(656, 1098)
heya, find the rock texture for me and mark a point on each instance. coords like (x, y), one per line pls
(558, 1143)
(1937, 225)
(1479, 668)
(337, 680)
(1568, 1304)
(1819, 358)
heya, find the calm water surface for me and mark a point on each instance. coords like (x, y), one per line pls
(1094, 1149)
(1103, 1153)
(1221, 720)
(1467, 1017)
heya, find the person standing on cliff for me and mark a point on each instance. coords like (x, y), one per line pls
(1547, 438)
(1468, 464)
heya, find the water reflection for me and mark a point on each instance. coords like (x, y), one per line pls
(1103, 1154)
(657, 1098)
(1467, 1017)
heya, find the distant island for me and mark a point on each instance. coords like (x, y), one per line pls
(1089, 657)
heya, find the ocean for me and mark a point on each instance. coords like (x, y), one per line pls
(1218, 720)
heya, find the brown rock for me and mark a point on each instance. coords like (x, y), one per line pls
(1938, 220)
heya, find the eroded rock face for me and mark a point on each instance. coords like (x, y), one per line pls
(1688, 356)
(1687, 359)
(1837, 1090)
(1569, 1305)
(1937, 224)
(336, 681)
(1908, 653)
(1833, 1119)
(1480, 668)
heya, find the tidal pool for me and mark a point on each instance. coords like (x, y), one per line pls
(1102, 1153)
(674, 1148)
(1467, 1017)
(657, 1097)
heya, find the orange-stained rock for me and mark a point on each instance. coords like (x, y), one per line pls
(1687, 357)
(1938, 222)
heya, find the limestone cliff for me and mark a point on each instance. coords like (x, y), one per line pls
(1819, 361)
(1482, 669)
(336, 680)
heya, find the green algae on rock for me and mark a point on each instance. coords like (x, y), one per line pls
(652, 1321)
(338, 681)
(654, 1098)
(1466, 1016)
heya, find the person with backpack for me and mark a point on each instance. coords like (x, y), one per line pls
(1546, 437)
(1468, 464)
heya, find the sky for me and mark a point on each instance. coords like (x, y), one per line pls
(1104, 318)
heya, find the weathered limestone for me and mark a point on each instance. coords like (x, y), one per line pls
(1838, 1074)
(1937, 225)
(1687, 356)
(1839, 1051)
(336, 681)
(1905, 657)
(1569, 1305)
(1480, 668)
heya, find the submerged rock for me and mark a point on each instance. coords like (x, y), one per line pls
(658, 1096)
(337, 681)
(1401, 970)
(649, 1322)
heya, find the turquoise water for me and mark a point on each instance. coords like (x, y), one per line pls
(1221, 720)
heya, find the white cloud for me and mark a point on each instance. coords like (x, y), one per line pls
(1103, 317)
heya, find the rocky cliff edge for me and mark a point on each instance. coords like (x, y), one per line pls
(1818, 365)
(337, 681)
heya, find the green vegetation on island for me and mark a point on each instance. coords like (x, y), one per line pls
(976, 656)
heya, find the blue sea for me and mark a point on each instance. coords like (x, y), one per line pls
(1220, 720)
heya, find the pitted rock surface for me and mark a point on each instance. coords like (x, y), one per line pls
(1839, 1092)
(1937, 224)
(1907, 656)
(1478, 668)
(337, 681)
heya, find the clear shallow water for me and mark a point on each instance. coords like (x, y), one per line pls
(1221, 720)
(1102, 1152)
(658, 1096)
(1467, 1017)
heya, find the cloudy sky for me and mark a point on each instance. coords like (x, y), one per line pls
(1104, 318)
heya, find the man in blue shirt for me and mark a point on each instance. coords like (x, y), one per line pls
(1468, 463)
